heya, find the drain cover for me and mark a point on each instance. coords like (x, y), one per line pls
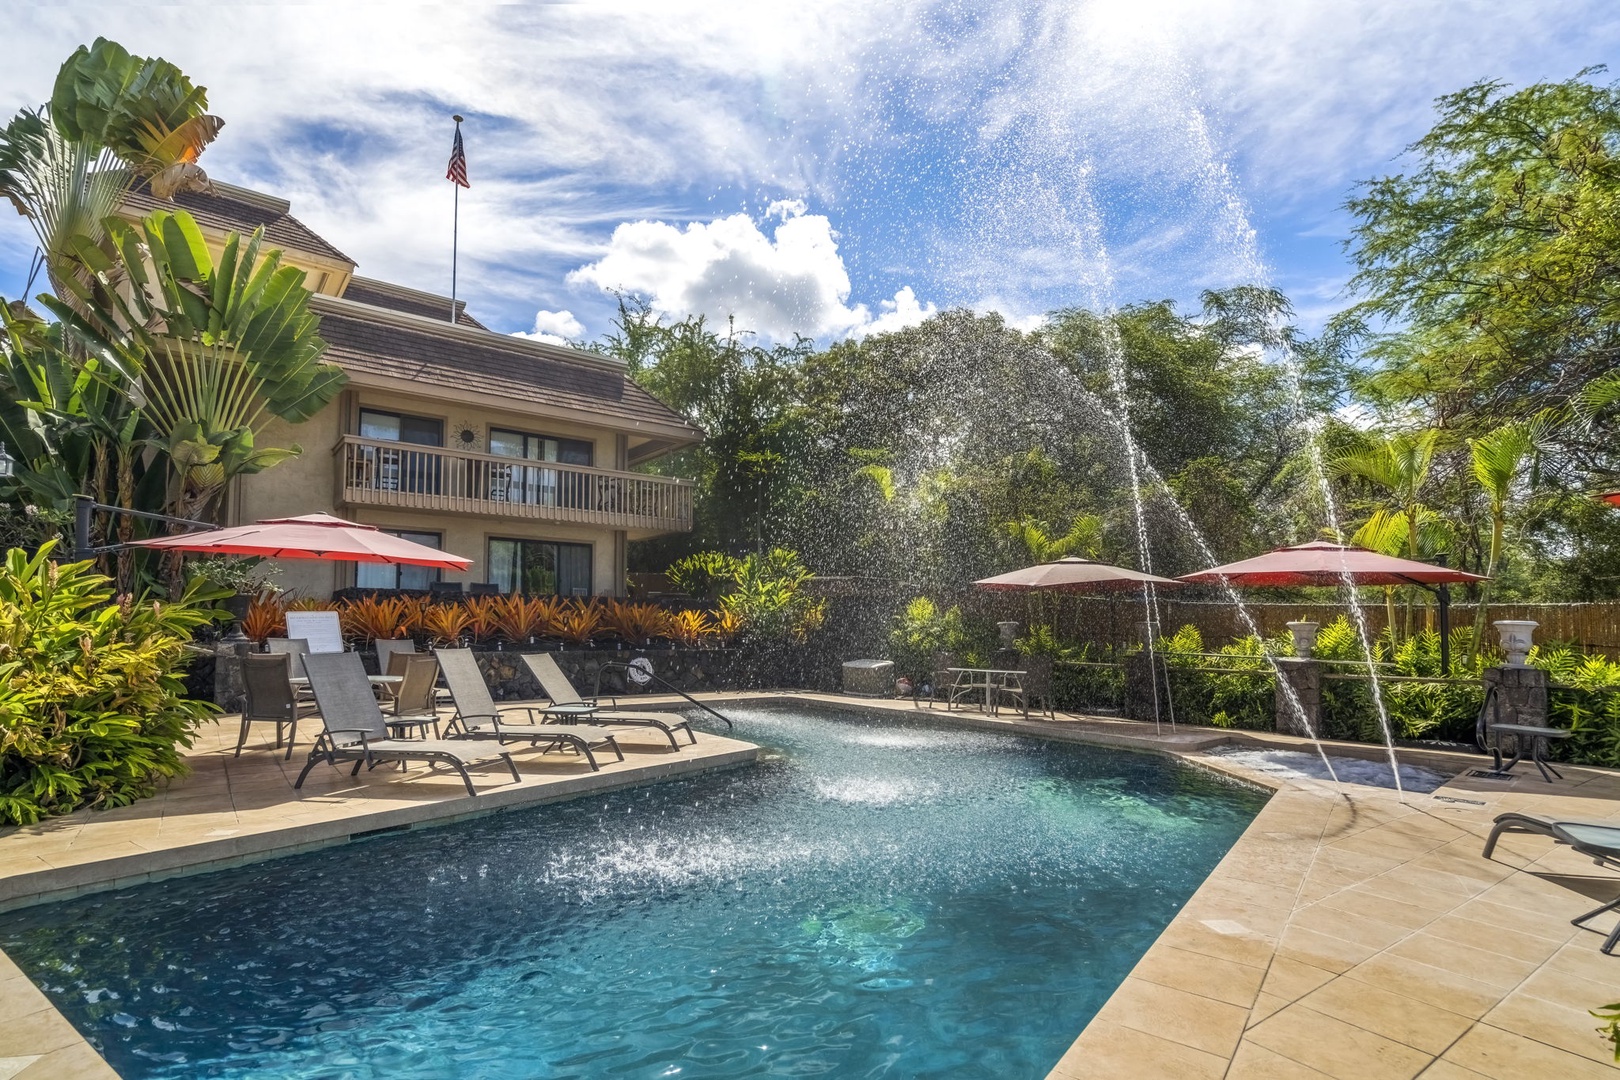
(1487, 774)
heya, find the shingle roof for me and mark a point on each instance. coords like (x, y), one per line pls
(484, 362)
(230, 208)
(385, 294)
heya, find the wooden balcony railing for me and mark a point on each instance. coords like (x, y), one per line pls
(375, 472)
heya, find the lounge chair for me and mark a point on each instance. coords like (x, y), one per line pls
(478, 717)
(1602, 844)
(357, 731)
(270, 697)
(567, 706)
(1537, 824)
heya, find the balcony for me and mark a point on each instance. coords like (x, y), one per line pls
(373, 472)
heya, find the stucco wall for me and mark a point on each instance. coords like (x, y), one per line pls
(308, 484)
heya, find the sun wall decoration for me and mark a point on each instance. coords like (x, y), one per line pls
(464, 435)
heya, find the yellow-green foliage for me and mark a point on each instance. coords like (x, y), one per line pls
(1586, 699)
(1232, 688)
(91, 705)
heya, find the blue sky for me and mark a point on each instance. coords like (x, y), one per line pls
(836, 168)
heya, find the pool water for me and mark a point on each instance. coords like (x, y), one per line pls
(878, 898)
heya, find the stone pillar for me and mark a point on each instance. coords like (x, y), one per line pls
(1521, 695)
(1305, 677)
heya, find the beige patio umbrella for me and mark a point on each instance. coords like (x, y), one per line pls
(1073, 575)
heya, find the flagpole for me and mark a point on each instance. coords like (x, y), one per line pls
(455, 234)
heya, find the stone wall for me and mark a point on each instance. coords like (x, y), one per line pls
(509, 678)
(690, 669)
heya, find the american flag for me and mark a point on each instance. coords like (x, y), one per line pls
(458, 162)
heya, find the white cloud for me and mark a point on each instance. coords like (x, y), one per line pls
(965, 141)
(899, 313)
(555, 327)
(791, 282)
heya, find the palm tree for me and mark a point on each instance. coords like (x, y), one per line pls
(213, 349)
(1398, 466)
(1498, 458)
(1084, 538)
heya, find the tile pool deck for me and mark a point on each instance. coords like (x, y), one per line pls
(1357, 937)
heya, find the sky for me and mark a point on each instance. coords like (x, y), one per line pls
(826, 169)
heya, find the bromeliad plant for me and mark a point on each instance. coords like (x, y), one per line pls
(92, 705)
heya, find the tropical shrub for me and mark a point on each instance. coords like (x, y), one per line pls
(515, 616)
(922, 632)
(1416, 710)
(769, 600)
(483, 618)
(1233, 687)
(634, 624)
(266, 617)
(691, 628)
(92, 703)
(578, 623)
(373, 617)
(706, 575)
(1585, 697)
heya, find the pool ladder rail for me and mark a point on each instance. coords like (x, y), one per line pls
(651, 676)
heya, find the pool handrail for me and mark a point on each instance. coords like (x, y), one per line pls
(652, 676)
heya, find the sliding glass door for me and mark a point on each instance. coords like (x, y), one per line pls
(538, 486)
(540, 567)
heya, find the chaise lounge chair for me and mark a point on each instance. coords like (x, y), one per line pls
(1537, 824)
(357, 731)
(567, 706)
(1598, 840)
(478, 717)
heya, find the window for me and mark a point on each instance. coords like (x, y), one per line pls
(395, 427)
(387, 576)
(540, 567)
(540, 487)
(400, 470)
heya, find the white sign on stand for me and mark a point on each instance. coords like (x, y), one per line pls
(321, 629)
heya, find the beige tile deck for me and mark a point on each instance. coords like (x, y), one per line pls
(1347, 934)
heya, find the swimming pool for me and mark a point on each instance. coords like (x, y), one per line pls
(878, 898)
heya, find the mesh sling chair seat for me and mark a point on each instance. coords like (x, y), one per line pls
(387, 649)
(478, 717)
(1535, 824)
(357, 731)
(567, 706)
(415, 701)
(1602, 844)
(270, 697)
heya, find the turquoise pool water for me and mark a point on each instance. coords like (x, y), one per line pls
(879, 899)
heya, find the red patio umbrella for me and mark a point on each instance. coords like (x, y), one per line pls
(1072, 575)
(310, 536)
(1325, 564)
(1609, 497)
